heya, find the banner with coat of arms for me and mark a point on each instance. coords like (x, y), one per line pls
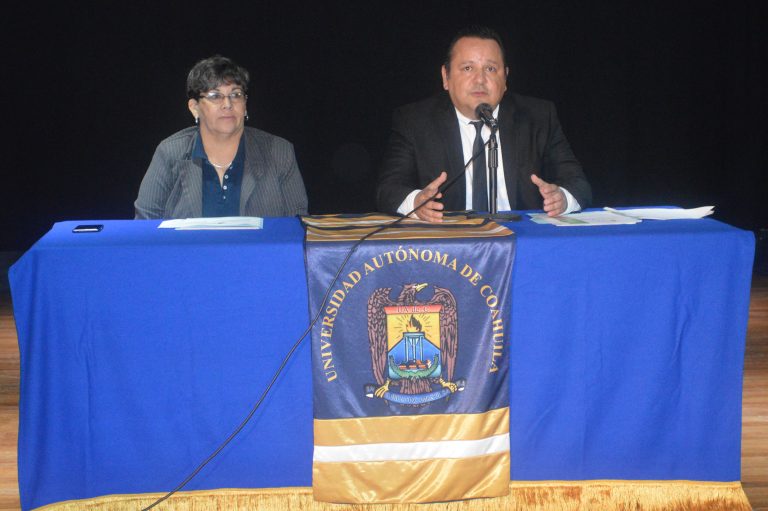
(410, 359)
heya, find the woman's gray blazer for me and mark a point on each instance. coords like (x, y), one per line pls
(173, 184)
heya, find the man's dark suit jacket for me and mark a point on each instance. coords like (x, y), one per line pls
(425, 140)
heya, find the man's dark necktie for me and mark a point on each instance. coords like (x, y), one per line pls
(479, 172)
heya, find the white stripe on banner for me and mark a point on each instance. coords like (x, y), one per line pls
(412, 450)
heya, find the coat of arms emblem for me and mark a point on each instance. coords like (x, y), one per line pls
(414, 345)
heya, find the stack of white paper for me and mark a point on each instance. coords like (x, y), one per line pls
(583, 219)
(218, 223)
(665, 213)
(612, 216)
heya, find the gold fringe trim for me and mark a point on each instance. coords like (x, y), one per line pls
(524, 496)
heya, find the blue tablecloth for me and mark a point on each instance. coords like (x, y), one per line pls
(143, 348)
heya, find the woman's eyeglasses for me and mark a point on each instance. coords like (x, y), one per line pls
(217, 97)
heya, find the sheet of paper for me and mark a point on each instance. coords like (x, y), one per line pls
(217, 223)
(664, 213)
(584, 219)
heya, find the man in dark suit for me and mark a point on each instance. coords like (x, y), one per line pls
(432, 139)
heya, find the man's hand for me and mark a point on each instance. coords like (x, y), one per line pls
(554, 199)
(432, 211)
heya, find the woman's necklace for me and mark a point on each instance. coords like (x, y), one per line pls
(221, 166)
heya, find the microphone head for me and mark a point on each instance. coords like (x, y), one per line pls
(484, 112)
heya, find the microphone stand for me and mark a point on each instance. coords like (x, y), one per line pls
(493, 165)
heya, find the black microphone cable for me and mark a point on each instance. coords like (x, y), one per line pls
(298, 342)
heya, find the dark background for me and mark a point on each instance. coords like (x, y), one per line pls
(663, 102)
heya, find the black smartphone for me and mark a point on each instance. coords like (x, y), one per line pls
(88, 228)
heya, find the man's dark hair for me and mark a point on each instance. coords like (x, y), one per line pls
(211, 72)
(478, 31)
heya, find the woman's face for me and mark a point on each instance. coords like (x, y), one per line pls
(221, 111)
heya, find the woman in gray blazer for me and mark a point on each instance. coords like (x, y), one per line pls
(220, 167)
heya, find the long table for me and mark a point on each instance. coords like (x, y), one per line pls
(143, 348)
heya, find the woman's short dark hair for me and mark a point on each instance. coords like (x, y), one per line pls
(211, 72)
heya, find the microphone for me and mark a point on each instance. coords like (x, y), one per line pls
(484, 112)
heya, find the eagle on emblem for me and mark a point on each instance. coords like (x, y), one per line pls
(381, 361)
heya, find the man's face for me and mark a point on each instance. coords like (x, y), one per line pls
(477, 75)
